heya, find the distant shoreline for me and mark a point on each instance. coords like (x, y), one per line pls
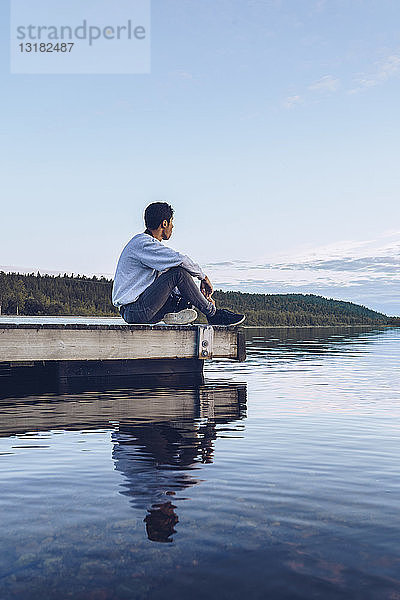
(46, 318)
(35, 295)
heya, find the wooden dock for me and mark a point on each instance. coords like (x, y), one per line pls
(81, 349)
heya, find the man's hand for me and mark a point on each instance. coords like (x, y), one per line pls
(206, 288)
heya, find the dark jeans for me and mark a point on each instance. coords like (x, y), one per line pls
(155, 301)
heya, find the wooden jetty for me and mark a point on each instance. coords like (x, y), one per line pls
(81, 349)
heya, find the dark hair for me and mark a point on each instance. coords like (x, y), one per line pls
(156, 213)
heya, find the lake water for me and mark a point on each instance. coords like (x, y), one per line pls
(276, 479)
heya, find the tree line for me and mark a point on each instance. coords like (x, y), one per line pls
(55, 295)
(36, 294)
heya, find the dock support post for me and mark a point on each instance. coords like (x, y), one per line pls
(205, 342)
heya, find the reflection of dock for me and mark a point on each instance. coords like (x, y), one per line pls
(102, 409)
(159, 438)
(77, 349)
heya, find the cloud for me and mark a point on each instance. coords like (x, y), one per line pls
(327, 84)
(366, 272)
(381, 72)
(389, 264)
(320, 5)
(184, 75)
(385, 70)
(292, 101)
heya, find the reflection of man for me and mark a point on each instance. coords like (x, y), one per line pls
(154, 458)
(148, 272)
(158, 459)
(160, 522)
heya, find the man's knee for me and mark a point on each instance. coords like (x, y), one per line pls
(179, 272)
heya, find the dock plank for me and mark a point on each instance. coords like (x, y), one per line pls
(78, 341)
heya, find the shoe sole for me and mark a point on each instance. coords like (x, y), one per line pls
(235, 323)
(228, 324)
(240, 321)
(183, 317)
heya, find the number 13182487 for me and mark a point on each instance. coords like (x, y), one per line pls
(46, 47)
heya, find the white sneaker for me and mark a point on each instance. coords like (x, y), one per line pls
(183, 317)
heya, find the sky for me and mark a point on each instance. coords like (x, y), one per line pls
(271, 126)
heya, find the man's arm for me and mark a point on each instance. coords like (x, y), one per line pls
(155, 255)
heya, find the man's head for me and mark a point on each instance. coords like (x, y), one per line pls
(158, 216)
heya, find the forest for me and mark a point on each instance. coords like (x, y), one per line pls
(36, 294)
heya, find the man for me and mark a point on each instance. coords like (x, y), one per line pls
(149, 274)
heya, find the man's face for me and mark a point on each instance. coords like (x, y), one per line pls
(167, 229)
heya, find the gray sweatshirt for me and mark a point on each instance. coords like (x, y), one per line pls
(140, 263)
